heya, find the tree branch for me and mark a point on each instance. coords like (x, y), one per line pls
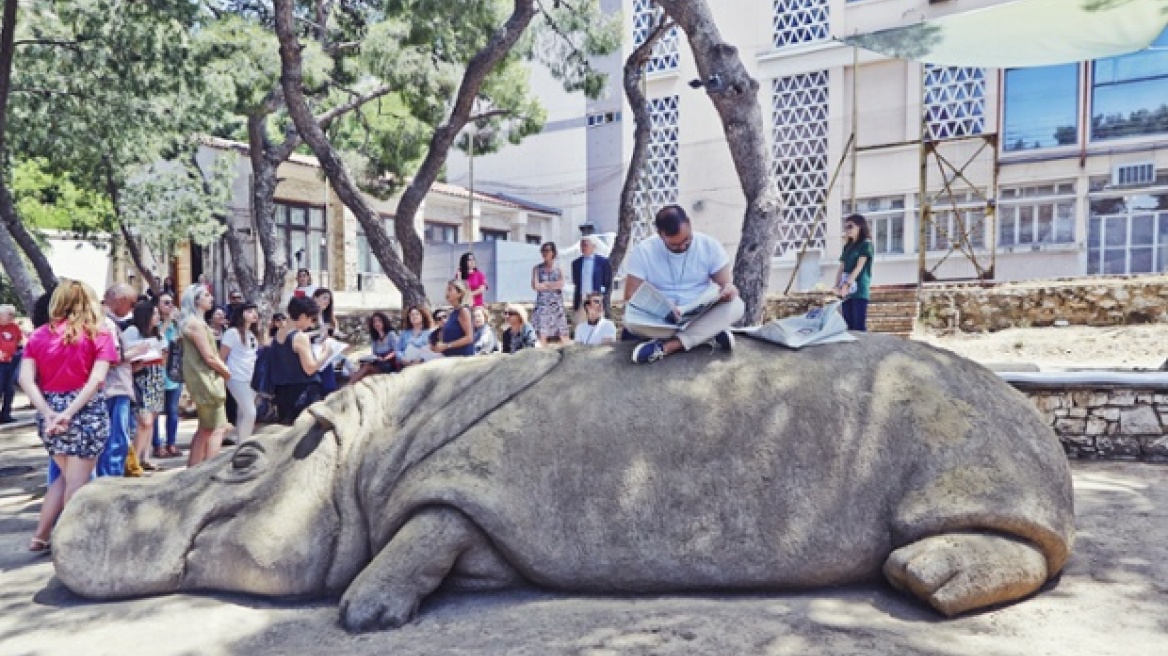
(325, 119)
(633, 71)
(313, 134)
(492, 113)
(483, 62)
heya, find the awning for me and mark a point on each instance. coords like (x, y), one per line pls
(1025, 33)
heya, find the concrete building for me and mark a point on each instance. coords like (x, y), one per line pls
(319, 233)
(1071, 158)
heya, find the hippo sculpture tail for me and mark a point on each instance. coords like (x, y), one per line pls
(574, 470)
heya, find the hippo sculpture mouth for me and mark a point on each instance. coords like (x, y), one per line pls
(574, 470)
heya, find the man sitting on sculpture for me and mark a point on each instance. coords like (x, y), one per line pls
(687, 274)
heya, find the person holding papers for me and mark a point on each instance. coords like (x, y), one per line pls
(295, 368)
(149, 380)
(678, 290)
(854, 278)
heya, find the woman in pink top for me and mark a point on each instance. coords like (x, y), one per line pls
(476, 280)
(65, 363)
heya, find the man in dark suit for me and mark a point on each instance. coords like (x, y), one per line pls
(590, 273)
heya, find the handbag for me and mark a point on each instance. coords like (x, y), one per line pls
(174, 359)
(261, 376)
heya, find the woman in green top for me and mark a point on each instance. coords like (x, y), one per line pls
(204, 374)
(854, 278)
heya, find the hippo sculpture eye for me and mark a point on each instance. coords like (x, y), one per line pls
(245, 461)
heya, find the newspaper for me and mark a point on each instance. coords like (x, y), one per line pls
(819, 326)
(415, 354)
(649, 307)
(155, 350)
(335, 349)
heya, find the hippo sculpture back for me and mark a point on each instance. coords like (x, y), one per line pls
(574, 470)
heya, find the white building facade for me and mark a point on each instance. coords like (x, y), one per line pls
(1063, 168)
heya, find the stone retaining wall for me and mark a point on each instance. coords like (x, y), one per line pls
(1108, 423)
(1100, 301)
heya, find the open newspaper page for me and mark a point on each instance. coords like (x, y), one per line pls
(335, 349)
(819, 326)
(649, 307)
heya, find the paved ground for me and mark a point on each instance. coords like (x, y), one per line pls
(1112, 599)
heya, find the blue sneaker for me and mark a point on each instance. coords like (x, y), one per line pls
(650, 351)
(723, 340)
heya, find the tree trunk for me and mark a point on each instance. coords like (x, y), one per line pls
(111, 190)
(735, 96)
(307, 125)
(15, 234)
(643, 131)
(25, 286)
(266, 159)
(500, 43)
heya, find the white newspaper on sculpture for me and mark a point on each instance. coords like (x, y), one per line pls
(819, 326)
(649, 307)
(415, 354)
(334, 348)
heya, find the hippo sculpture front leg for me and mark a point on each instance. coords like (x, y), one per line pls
(435, 543)
(957, 572)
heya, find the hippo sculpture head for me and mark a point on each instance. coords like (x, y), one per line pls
(576, 470)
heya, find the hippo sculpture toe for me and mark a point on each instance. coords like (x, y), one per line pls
(575, 470)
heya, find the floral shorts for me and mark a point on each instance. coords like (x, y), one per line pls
(150, 386)
(87, 433)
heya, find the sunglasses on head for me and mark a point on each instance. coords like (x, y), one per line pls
(512, 313)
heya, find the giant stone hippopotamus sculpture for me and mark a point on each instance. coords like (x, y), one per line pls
(576, 470)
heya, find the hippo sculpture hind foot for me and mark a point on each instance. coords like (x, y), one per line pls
(960, 572)
(578, 471)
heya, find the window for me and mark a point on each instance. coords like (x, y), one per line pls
(366, 261)
(658, 184)
(1128, 235)
(494, 235)
(1128, 94)
(954, 101)
(441, 233)
(302, 232)
(534, 239)
(954, 217)
(800, 21)
(665, 52)
(1040, 214)
(602, 118)
(799, 129)
(1041, 107)
(885, 220)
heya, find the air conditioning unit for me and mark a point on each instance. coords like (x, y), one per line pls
(1133, 175)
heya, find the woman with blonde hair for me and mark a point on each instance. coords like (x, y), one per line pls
(204, 373)
(456, 334)
(519, 334)
(64, 366)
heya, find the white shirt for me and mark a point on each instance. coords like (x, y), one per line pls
(586, 333)
(680, 276)
(241, 357)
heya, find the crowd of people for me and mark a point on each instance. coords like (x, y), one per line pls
(103, 375)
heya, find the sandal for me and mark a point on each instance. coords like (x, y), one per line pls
(159, 452)
(37, 545)
(173, 451)
(146, 465)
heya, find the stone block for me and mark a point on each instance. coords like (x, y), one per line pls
(1118, 447)
(1081, 399)
(1160, 398)
(1077, 413)
(1079, 441)
(1098, 399)
(1096, 426)
(1144, 399)
(1141, 420)
(1070, 426)
(1123, 398)
(1110, 414)
(1155, 447)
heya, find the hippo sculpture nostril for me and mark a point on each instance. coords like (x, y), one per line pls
(575, 470)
